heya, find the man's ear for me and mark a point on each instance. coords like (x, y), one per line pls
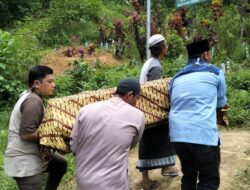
(36, 84)
(205, 56)
(130, 93)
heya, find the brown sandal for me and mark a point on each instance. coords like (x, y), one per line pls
(170, 171)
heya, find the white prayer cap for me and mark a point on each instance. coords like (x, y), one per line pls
(155, 39)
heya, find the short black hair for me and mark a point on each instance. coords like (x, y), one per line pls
(38, 72)
(196, 56)
(156, 49)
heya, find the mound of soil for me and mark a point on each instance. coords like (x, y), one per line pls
(59, 62)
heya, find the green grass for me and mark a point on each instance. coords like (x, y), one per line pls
(242, 181)
(7, 183)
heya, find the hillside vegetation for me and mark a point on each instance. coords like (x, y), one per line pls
(32, 30)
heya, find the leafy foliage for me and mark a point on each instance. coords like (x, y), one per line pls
(64, 85)
(72, 17)
(239, 80)
(13, 10)
(17, 53)
(238, 95)
(7, 66)
(84, 77)
(6, 182)
(172, 66)
(175, 45)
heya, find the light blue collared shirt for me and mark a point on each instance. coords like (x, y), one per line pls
(194, 99)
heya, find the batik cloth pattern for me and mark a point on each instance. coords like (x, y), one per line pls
(61, 112)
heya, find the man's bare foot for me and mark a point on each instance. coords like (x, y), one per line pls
(151, 184)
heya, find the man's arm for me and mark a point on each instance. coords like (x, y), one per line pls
(33, 137)
(154, 73)
(32, 111)
(222, 105)
(75, 133)
(137, 138)
(222, 115)
(221, 91)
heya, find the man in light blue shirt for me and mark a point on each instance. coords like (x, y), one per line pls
(196, 92)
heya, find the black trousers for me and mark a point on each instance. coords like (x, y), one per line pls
(56, 169)
(199, 163)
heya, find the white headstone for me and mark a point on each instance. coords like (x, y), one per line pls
(223, 67)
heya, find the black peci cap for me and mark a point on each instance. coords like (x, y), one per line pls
(128, 84)
(196, 48)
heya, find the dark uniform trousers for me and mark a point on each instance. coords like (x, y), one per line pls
(199, 163)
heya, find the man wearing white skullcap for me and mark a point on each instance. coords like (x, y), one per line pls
(155, 150)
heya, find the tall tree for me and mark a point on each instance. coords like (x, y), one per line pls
(244, 7)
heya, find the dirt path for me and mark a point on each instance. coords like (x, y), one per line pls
(235, 155)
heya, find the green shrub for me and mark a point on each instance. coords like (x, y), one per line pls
(72, 17)
(176, 46)
(239, 80)
(4, 120)
(116, 73)
(64, 85)
(238, 95)
(228, 34)
(18, 52)
(7, 183)
(11, 11)
(239, 103)
(83, 76)
(9, 83)
(172, 66)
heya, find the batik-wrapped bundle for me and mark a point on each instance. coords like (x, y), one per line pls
(61, 112)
